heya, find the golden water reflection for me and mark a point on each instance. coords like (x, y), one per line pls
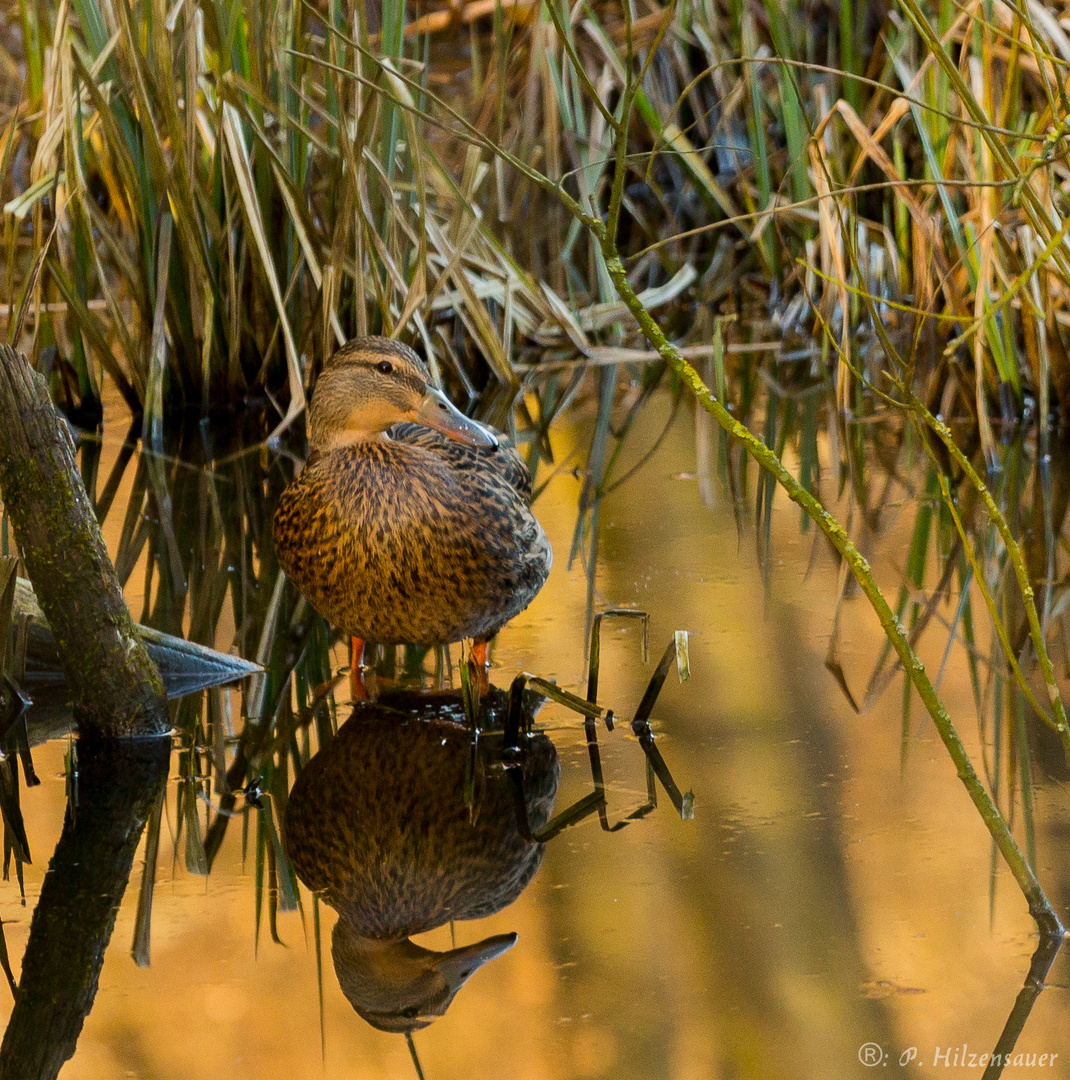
(821, 899)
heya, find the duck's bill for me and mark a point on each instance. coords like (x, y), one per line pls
(459, 965)
(436, 411)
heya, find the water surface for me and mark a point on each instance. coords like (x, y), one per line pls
(835, 887)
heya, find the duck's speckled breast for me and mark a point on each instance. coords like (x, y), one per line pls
(396, 543)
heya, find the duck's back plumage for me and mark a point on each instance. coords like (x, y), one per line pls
(504, 459)
(414, 538)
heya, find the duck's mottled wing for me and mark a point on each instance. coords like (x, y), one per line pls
(413, 540)
(504, 459)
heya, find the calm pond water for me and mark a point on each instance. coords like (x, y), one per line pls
(835, 887)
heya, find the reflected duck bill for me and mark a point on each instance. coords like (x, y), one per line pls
(459, 965)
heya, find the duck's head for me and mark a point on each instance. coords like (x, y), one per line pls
(372, 383)
(400, 986)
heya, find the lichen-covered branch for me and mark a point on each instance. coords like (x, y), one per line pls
(1039, 906)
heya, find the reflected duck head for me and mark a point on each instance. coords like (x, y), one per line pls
(372, 383)
(398, 986)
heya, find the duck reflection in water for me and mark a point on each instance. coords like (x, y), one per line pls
(401, 827)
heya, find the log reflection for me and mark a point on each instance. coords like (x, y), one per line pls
(118, 783)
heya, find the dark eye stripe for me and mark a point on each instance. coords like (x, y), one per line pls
(415, 384)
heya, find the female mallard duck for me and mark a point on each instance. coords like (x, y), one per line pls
(399, 534)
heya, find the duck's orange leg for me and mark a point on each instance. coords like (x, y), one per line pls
(356, 670)
(479, 658)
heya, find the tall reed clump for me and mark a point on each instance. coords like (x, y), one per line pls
(881, 167)
(199, 199)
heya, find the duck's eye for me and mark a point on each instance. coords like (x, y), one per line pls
(385, 366)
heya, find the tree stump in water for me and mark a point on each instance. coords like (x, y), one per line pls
(115, 685)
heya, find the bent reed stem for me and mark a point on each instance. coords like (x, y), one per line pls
(1014, 553)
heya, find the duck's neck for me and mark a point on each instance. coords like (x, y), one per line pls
(336, 440)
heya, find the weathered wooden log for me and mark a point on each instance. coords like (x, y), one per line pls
(116, 688)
